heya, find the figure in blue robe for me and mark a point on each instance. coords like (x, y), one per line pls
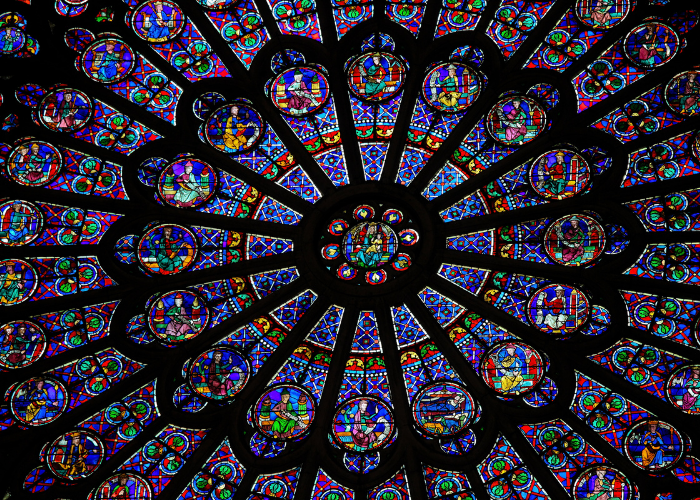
(158, 31)
(108, 63)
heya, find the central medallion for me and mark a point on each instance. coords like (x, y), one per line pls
(369, 236)
(370, 245)
(376, 248)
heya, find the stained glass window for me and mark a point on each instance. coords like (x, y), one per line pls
(349, 249)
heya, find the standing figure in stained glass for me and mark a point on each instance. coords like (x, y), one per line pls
(158, 24)
(556, 318)
(9, 38)
(18, 224)
(288, 418)
(190, 187)
(235, 137)
(36, 167)
(513, 120)
(375, 76)
(11, 284)
(16, 343)
(21, 163)
(301, 97)
(218, 376)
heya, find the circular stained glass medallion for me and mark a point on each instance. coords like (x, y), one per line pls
(558, 309)
(574, 240)
(651, 44)
(65, 110)
(603, 14)
(300, 91)
(363, 424)
(23, 343)
(39, 401)
(187, 183)
(443, 409)
(219, 373)
(22, 222)
(284, 412)
(654, 445)
(234, 128)
(19, 281)
(167, 249)
(158, 21)
(683, 389)
(370, 245)
(108, 60)
(376, 76)
(75, 455)
(683, 92)
(178, 316)
(516, 120)
(451, 87)
(512, 368)
(559, 174)
(13, 39)
(34, 163)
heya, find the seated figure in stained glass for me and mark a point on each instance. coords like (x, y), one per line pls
(20, 223)
(287, 417)
(35, 166)
(12, 283)
(19, 345)
(159, 21)
(235, 134)
(39, 401)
